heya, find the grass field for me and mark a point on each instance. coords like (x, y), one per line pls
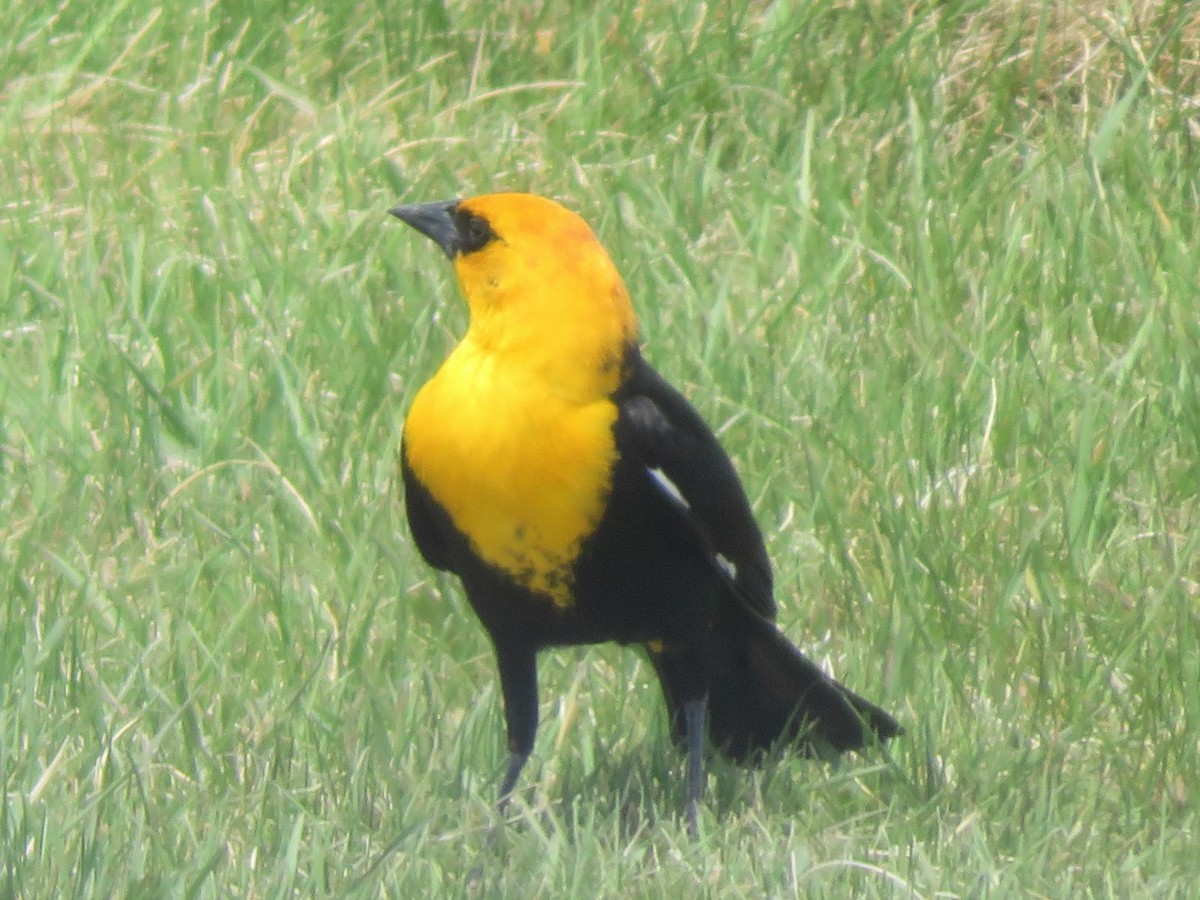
(931, 268)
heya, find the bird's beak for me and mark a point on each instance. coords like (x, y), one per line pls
(434, 221)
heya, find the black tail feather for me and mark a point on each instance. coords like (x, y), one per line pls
(765, 693)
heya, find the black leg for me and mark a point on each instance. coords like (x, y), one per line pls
(518, 682)
(694, 714)
(685, 675)
(512, 771)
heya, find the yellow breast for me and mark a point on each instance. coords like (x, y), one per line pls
(523, 470)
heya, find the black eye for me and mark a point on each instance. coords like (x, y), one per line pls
(474, 232)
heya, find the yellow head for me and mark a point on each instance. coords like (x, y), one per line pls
(541, 289)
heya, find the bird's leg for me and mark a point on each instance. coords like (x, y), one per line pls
(512, 771)
(518, 683)
(694, 717)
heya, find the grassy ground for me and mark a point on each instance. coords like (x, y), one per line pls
(932, 268)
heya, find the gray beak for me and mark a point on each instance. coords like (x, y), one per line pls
(434, 220)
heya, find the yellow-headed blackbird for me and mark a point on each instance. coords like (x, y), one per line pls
(580, 498)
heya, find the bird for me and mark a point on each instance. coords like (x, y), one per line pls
(580, 499)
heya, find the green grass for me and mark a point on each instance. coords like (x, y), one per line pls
(930, 268)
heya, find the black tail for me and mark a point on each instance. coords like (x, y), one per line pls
(764, 692)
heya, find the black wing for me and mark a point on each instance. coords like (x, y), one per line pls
(686, 463)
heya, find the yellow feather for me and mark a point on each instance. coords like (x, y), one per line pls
(513, 435)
